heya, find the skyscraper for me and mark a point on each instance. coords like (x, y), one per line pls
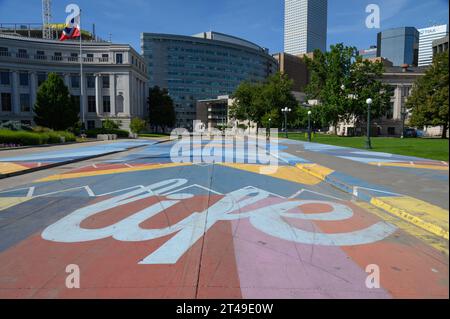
(399, 45)
(305, 26)
(426, 38)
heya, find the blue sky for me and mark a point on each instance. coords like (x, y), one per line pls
(260, 21)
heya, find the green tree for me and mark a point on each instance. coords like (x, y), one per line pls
(137, 125)
(342, 82)
(54, 107)
(429, 98)
(261, 101)
(161, 109)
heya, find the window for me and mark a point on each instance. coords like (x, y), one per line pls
(41, 78)
(4, 78)
(91, 125)
(119, 58)
(76, 100)
(390, 113)
(57, 56)
(25, 103)
(92, 104)
(91, 81)
(75, 81)
(105, 80)
(106, 104)
(6, 102)
(22, 53)
(23, 79)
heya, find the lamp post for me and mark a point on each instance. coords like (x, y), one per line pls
(268, 131)
(309, 126)
(369, 102)
(285, 111)
(403, 122)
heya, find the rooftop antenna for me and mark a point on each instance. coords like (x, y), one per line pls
(110, 37)
(46, 18)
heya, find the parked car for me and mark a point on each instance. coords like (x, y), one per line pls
(410, 133)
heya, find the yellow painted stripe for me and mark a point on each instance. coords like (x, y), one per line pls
(7, 168)
(288, 173)
(408, 165)
(110, 171)
(422, 214)
(434, 241)
(8, 202)
(316, 170)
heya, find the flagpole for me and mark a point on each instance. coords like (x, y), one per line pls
(83, 119)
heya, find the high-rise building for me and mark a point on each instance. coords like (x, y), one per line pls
(305, 26)
(202, 67)
(426, 38)
(399, 45)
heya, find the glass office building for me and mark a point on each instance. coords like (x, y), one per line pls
(202, 67)
(399, 45)
(305, 26)
(426, 38)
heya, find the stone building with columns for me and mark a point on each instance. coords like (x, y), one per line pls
(114, 77)
(401, 79)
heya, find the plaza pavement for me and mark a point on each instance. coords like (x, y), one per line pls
(140, 224)
(21, 161)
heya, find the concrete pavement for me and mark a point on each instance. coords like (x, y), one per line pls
(140, 224)
(14, 162)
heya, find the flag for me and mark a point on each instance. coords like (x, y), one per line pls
(71, 31)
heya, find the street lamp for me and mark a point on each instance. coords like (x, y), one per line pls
(403, 121)
(285, 111)
(369, 102)
(268, 131)
(309, 126)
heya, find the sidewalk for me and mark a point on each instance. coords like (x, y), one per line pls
(417, 193)
(21, 161)
(429, 184)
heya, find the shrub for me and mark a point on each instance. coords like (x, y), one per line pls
(111, 125)
(26, 138)
(137, 125)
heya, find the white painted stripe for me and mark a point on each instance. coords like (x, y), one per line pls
(31, 191)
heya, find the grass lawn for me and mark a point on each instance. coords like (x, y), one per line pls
(153, 135)
(436, 149)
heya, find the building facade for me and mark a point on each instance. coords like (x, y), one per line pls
(213, 113)
(399, 45)
(202, 67)
(114, 77)
(295, 68)
(401, 80)
(440, 45)
(426, 38)
(305, 26)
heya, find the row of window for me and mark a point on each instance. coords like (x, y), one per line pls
(24, 79)
(6, 102)
(25, 103)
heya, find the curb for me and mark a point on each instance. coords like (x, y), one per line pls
(375, 201)
(37, 169)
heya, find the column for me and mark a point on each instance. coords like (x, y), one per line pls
(398, 103)
(33, 89)
(128, 96)
(112, 90)
(15, 93)
(98, 94)
(67, 81)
